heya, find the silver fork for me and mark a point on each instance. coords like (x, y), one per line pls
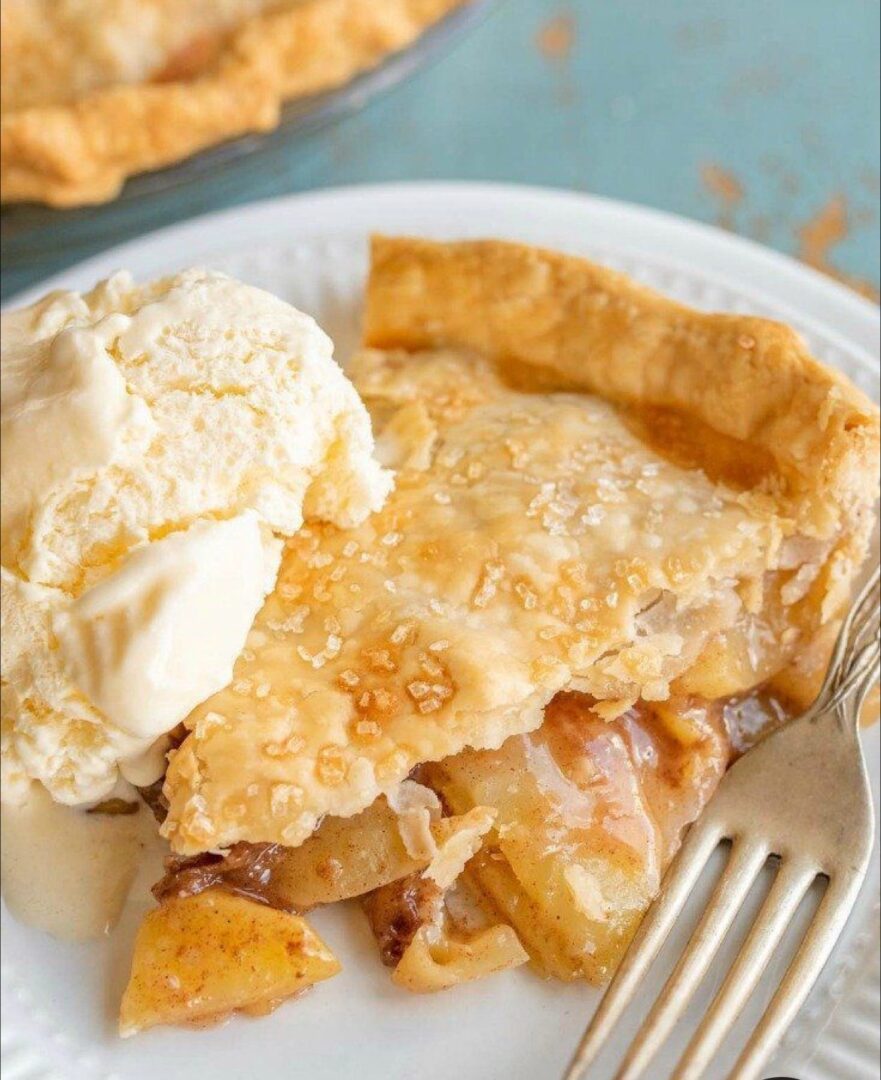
(802, 795)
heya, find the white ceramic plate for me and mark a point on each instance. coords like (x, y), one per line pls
(59, 1000)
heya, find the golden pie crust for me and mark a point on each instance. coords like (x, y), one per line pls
(577, 325)
(77, 121)
(597, 490)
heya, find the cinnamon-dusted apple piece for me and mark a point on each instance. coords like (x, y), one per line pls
(589, 815)
(199, 958)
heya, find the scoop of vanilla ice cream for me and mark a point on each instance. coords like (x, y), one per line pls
(157, 443)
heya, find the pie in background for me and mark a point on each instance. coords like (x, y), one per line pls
(91, 94)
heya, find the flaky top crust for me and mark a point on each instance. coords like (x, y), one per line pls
(535, 541)
(73, 154)
(567, 323)
(532, 543)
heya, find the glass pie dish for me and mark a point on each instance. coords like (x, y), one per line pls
(30, 231)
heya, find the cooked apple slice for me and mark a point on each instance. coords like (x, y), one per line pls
(349, 857)
(437, 961)
(345, 857)
(589, 815)
(198, 958)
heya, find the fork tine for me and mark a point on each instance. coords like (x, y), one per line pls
(746, 860)
(701, 840)
(862, 614)
(862, 673)
(869, 681)
(792, 882)
(801, 975)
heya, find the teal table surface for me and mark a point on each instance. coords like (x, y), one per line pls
(761, 116)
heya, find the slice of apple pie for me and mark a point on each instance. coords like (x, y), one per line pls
(597, 490)
(621, 535)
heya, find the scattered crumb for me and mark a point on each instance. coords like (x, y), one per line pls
(817, 237)
(556, 38)
(725, 187)
(824, 231)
